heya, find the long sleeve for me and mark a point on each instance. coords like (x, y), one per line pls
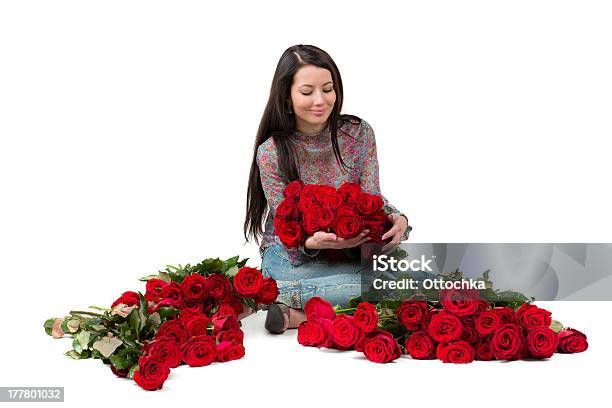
(369, 178)
(274, 185)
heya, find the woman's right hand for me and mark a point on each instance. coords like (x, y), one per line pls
(324, 240)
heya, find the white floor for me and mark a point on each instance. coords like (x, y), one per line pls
(277, 370)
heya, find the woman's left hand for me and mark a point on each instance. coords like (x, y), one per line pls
(400, 224)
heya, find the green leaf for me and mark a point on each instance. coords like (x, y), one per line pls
(154, 320)
(132, 371)
(137, 321)
(107, 345)
(83, 339)
(73, 325)
(556, 326)
(119, 362)
(76, 345)
(49, 325)
(167, 312)
(78, 356)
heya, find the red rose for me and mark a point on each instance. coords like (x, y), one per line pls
(345, 333)
(248, 281)
(194, 287)
(310, 219)
(199, 351)
(174, 329)
(128, 299)
(307, 202)
(196, 326)
(225, 309)
(366, 317)
(120, 373)
(332, 200)
(318, 307)
(187, 314)
(309, 190)
(326, 218)
(412, 314)
(151, 373)
(268, 292)
(219, 287)
(315, 332)
(469, 334)
(507, 314)
(462, 302)
(154, 287)
(322, 191)
(420, 346)
(233, 336)
(294, 189)
(347, 224)
(483, 351)
(488, 321)
(192, 304)
(456, 352)
(529, 315)
(228, 351)
(368, 204)
(291, 234)
(172, 291)
(445, 327)
(166, 350)
(225, 323)
(287, 209)
(542, 342)
(508, 342)
(350, 191)
(379, 346)
(572, 341)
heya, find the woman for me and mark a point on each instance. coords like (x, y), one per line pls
(302, 135)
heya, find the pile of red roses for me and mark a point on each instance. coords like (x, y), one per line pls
(187, 316)
(346, 211)
(460, 328)
(197, 336)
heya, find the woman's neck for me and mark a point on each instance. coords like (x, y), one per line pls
(307, 128)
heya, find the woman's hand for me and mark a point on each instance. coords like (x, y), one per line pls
(324, 240)
(400, 224)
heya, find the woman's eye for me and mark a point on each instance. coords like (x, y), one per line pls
(325, 90)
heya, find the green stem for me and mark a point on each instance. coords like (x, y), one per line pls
(346, 310)
(82, 312)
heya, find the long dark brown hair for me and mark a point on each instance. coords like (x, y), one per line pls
(278, 122)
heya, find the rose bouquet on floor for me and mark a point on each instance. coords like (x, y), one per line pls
(345, 211)
(188, 315)
(460, 326)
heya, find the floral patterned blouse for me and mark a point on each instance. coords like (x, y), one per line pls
(317, 164)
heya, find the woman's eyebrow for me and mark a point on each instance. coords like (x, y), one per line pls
(312, 86)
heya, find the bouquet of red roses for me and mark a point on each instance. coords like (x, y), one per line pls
(188, 315)
(460, 327)
(346, 211)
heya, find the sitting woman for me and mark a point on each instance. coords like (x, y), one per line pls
(302, 135)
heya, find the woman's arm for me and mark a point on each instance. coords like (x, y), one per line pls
(369, 179)
(274, 185)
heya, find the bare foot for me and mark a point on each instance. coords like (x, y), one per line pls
(246, 311)
(296, 316)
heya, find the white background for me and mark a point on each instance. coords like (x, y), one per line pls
(127, 133)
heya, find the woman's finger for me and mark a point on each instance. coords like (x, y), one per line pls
(393, 231)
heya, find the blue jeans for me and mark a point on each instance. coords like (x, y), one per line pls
(336, 282)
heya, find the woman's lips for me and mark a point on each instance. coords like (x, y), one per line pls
(318, 112)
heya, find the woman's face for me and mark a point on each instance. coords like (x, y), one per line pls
(312, 98)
